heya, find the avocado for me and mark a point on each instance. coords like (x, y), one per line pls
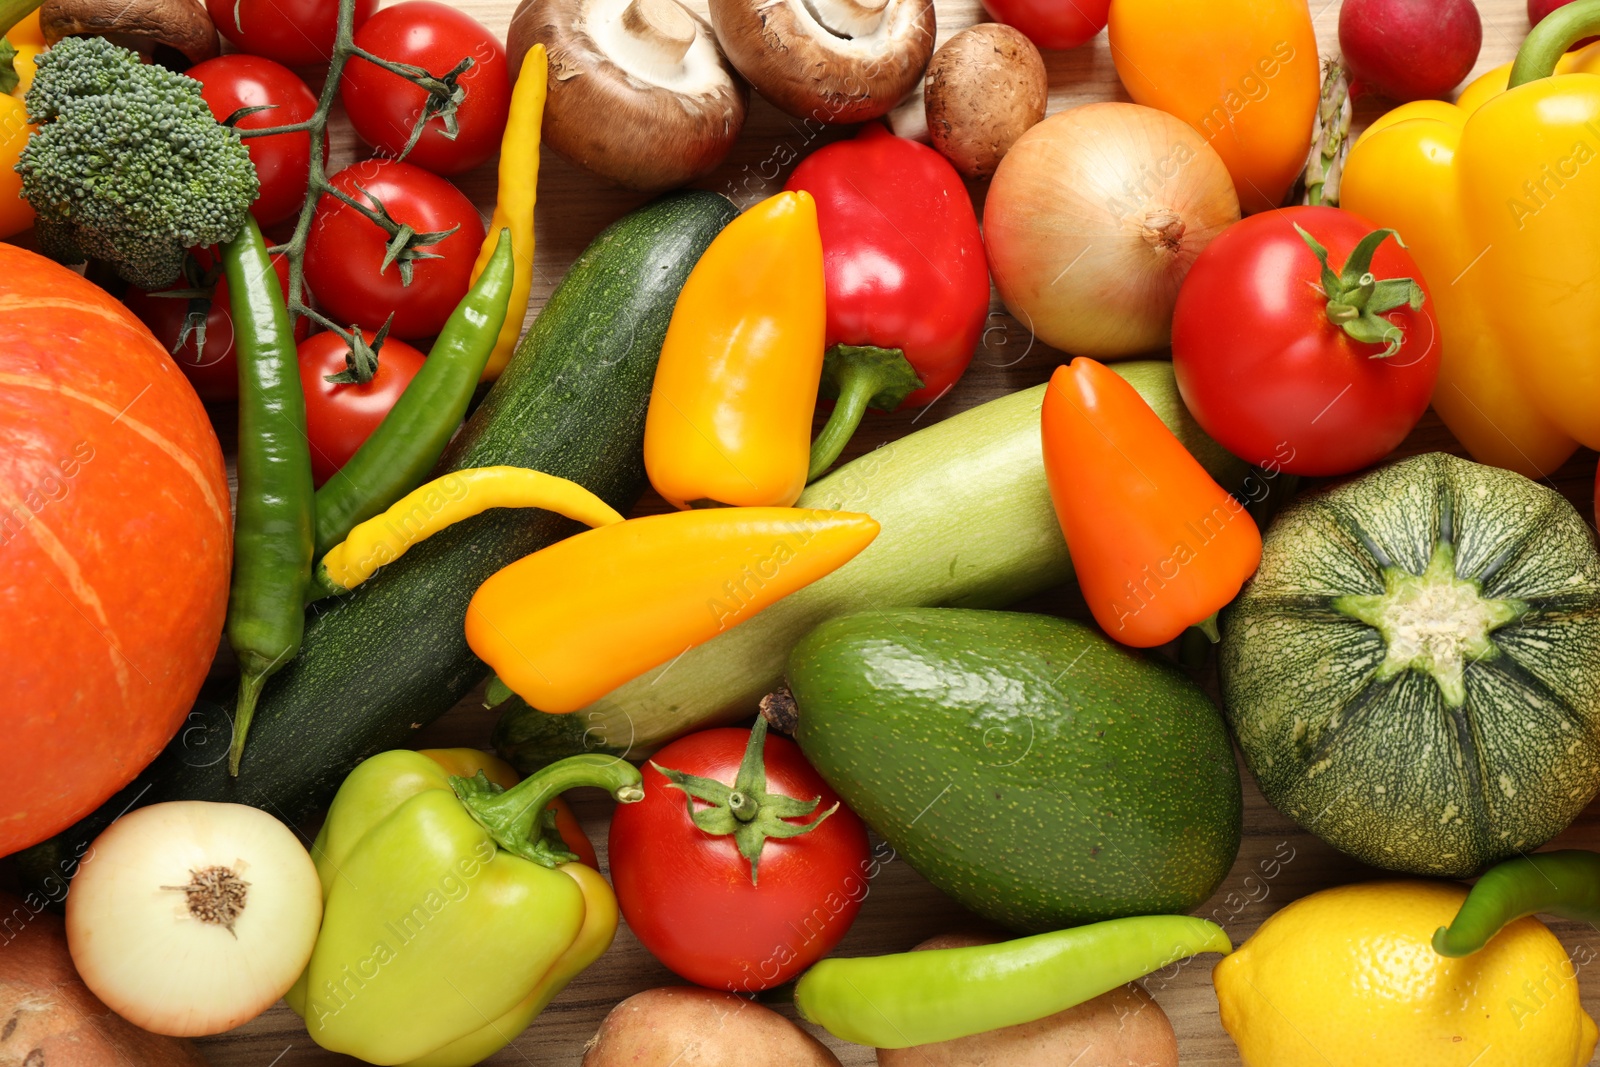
(1040, 774)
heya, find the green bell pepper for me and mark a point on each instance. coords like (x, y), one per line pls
(452, 911)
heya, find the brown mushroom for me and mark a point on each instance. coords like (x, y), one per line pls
(175, 33)
(828, 60)
(639, 93)
(986, 87)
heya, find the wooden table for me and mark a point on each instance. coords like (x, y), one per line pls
(1277, 863)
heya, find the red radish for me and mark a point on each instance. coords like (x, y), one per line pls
(1538, 9)
(1410, 49)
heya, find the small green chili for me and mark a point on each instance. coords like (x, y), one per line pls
(917, 998)
(1553, 883)
(402, 451)
(273, 521)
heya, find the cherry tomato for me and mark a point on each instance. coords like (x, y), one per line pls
(341, 416)
(1052, 24)
(211, 367)
(688, 894)
(384, 107)
(1270, 376)
(283, 162)
(346, 249)
(294, 32)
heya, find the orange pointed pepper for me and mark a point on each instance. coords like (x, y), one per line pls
(730, 415)
(1158, 545)
(568, 624)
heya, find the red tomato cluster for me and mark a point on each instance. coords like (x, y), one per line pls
(340, 416)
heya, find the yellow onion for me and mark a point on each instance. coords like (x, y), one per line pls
(190, 918)
(1094, 218)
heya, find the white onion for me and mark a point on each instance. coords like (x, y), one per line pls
(1094, 218)
(190, 918)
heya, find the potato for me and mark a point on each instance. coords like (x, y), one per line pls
(1122, 1028)
(985, 87)
(48, 1018)
(682, 1026)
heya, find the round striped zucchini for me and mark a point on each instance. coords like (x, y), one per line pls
(1414, 673)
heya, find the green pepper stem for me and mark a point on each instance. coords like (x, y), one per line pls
(1549, 41)
(14, 11)
(1565, 883)
(250, 683)
(858, 377)
(514, 817)
(848, 411)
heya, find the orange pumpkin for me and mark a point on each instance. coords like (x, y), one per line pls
(115, 547)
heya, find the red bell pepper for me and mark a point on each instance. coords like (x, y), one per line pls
(907, 279)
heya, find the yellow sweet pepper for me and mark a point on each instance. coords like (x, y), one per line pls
(730, 415)
(513, 209)
(1494, 195)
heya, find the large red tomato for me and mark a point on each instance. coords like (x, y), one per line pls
(115, 547)
(295, 32)
(340, 416)
(384, 107)
(693, 899)
(210, 367)
(283, 161)
(1266, 370)
(344, 256)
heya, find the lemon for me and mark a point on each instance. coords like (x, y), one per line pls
(1348, 978)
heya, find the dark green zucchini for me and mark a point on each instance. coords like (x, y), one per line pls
(391, 657)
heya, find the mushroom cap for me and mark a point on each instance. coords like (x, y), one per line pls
(146, 26)
(854, 70)
(986, 87)
(639, 93)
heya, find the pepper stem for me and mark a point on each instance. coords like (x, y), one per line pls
(858, 377)
(746, 810)
(14, 11)
(1358, 300)
(1549, 41)
(516, 817)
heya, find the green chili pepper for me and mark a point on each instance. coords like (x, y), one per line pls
(917, 998)
(403, 449)
(273, 521)
(1553, 883)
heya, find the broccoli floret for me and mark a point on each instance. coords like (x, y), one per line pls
(129, 165)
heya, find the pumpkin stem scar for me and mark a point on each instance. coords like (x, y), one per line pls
(1434, 622)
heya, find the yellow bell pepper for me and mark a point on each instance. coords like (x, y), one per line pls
(1494, 196)
(730, 415)
(513, 208)
(568, 624)
(27, 41)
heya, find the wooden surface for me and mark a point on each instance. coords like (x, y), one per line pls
(1277, 864)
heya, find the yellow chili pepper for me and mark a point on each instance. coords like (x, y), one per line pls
(444, 502)
(568, 624)
(1495, 197)
(513, 209)
(730, 417)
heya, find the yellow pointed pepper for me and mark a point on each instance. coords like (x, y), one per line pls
(1494, 195)
(440, 504)
(513, 209)
(730, 416)
(568, 624)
